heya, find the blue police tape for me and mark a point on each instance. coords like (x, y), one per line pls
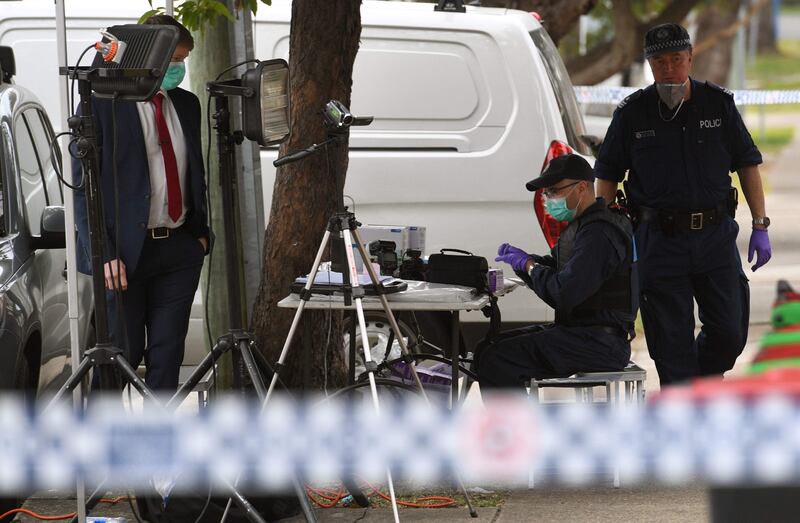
(503, 442)
(603, 95)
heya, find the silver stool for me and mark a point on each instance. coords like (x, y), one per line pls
(632, 378)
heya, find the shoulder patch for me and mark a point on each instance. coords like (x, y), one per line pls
(631, 97)
(719, 88)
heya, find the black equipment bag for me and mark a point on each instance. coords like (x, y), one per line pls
(467, 269)
(459, 269)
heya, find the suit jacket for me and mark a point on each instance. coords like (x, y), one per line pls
(133, 180)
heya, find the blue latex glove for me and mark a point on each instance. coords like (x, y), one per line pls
(759, 243)
(513, 256)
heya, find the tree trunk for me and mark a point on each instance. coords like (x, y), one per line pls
(558, 17)
(714, 63)
(211, 55)
(626, 45)
(766, 43)
(322, 48)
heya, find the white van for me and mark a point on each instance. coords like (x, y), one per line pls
(465, 107)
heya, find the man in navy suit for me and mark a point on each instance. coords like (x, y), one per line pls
(157, 238)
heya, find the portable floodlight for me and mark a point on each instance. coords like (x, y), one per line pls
(265, 113)
(131, 61)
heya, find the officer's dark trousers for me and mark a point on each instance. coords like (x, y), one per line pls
(546, 351)
(675, 271)
(157, 305)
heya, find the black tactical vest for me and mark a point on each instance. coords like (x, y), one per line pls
(616, 293)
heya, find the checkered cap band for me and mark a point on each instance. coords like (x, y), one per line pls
(669, 45)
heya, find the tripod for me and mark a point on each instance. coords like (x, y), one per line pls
(343, 227)
(105, 355)
(237, 339)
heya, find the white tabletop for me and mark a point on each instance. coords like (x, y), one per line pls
(420, 296)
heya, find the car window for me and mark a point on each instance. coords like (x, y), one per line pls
(562, 88)
(42, 133)
(30, 174)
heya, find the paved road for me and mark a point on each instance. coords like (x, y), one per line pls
(789, 27)
(782, 183)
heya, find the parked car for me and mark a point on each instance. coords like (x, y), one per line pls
(34, 324)
(35, 355)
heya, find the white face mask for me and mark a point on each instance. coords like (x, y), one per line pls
(672, 94)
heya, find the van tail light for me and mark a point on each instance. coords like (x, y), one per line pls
(550, 226)
(537, 16)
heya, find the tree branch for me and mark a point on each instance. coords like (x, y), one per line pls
(558, 18)
(625, 47)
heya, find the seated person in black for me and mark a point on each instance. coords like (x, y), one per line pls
(589, 279)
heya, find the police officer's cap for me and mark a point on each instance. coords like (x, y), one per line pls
(666, 38)
(565, 167)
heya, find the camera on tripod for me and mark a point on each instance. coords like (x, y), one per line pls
(384, 253)
(338, 117)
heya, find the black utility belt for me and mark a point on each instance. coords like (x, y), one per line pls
(679, 220)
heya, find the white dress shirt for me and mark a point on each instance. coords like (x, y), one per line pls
(159, 214)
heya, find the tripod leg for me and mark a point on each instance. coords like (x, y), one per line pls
(472, 512)
(368, 363)
(92, 502)
(72, 382)
(308, 512)
(250, 512)
(252, 369)
(130, 374)
(209, 360)
(387, 310)
(297, 315)
(404, 349)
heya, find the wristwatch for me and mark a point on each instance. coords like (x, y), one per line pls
(764, 222)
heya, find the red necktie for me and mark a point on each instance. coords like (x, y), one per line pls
(174, 199)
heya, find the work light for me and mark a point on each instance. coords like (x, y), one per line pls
(265, 107)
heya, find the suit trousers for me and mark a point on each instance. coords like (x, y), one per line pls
(156, 307)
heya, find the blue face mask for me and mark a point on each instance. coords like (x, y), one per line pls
(173, 76)
(557, 208)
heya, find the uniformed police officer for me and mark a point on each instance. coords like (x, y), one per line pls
(589, 279)
(678, 140)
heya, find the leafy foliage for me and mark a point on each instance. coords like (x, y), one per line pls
(601, 29)
(196, 14)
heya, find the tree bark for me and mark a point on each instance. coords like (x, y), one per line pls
(557, 17)
(627, 43)
(322, 48)
(766, 43)
(714, 63)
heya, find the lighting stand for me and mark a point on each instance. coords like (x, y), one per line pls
(104, 355)
(237, 339)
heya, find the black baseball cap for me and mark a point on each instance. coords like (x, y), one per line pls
(567, 166)
(666, 38)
